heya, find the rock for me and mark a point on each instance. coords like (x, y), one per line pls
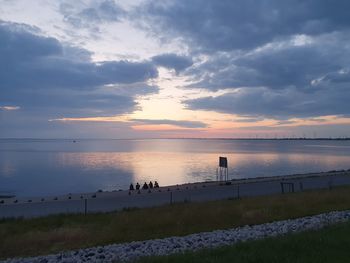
(90, 254)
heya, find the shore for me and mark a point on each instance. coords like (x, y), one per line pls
(193, 192)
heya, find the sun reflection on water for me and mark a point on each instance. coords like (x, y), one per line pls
(59, 167)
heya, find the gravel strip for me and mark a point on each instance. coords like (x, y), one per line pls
(131, 251)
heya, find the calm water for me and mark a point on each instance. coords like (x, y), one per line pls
(49, 167)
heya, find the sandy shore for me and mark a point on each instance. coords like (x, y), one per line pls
(194, 192)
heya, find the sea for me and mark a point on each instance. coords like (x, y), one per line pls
(32, 167)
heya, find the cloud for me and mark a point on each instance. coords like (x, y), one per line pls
(18, 41)
(242, 24)
(275, 59)
(279, 65)
(340, 76)
(179, 123)
(90, 15)
(130, 89)
(282, 80)
(39, 72)
(265, 59)
(249, 120)
(173, 61)
(285, 122)
(8, 108)
(276, 104)
(23, 124)
(308, 131)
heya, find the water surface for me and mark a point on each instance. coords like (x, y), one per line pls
(50, 167)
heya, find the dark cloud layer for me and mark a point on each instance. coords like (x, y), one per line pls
(282, 65)
(243, 24)
(283, 104)
(173, 61)
(277, 59)
(37, 73)
(29, 59)
(282, 82)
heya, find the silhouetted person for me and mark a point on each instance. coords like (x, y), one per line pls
(150, 184)
(137, 186)
(131, 188)
(156, 185)
(145, 186)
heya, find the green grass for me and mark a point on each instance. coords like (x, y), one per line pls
(329, 245)
(64, 232)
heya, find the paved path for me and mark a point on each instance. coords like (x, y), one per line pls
(196, 192)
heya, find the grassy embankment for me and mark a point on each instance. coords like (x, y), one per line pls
(64, 232)
(329, 245)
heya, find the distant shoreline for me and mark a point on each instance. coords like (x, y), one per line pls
(229, 139)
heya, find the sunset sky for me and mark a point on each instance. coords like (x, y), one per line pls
(169, 69)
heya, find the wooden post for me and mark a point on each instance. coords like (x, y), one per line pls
(85, 206)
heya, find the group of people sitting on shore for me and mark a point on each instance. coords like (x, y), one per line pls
(145, 186)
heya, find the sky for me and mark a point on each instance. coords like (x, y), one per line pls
(174, 68)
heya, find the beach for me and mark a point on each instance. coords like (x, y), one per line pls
(194, 192)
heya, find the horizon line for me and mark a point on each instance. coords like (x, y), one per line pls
(183, 138)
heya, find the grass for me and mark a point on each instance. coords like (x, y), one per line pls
(20, 237)
(329, 245)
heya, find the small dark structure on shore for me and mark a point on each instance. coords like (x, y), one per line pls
(222, 170)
